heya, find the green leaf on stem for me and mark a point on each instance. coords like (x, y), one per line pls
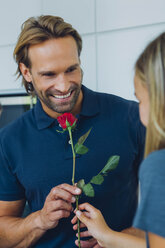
(80, 149)
(88, 190)
(97, 179)
(82, 139)
(68, 124)
(60, 131)
(81, 184)
(74, 124)
(111, 164)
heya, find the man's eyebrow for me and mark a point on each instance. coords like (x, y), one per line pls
(73, 66)
(41, 73)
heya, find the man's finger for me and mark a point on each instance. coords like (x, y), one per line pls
(59, 205)
(57, 215)
(81, 226)
(74, 220)
(70, 188)
(64, 192)
(88, 243)
(84, 234)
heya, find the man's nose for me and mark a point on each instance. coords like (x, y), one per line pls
(62, 83)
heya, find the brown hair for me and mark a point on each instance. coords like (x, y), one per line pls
(150, 68)
(37, 30)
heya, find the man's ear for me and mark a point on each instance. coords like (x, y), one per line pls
(25, 72)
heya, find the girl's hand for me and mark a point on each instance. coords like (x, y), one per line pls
(94, 221)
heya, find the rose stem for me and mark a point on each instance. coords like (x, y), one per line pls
(73, 176)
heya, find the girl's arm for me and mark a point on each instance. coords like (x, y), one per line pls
(156, 241)
(97, 227)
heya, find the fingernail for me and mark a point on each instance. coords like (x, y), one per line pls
(73, 199)
(77, 191)
(78, 213)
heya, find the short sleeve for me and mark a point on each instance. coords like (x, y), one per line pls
(10, 188)
(150, 214)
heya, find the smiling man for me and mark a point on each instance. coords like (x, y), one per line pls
(36, 161)
(56, 75)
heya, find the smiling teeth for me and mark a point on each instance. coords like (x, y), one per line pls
(63, 96)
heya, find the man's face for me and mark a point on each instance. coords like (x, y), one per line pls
(56, 75)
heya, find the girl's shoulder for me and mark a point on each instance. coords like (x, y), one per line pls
(150, 215)
(153, 165)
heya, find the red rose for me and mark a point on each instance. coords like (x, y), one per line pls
(66, 117)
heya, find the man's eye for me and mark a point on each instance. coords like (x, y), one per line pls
(48, 74)
(70, 70)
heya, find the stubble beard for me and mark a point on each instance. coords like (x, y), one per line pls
(61, 107)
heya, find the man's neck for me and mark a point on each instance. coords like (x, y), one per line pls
(77, 108)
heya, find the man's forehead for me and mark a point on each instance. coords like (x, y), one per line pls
(54, 52)
(54, 44)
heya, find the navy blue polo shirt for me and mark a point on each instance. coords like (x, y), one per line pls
(34, 157)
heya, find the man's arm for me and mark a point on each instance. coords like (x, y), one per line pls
(14, 230)
(23, 232)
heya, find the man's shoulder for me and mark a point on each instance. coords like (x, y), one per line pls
(110, 104)
(16, 126)
(104, 97)
(113, 98)
(117, 103)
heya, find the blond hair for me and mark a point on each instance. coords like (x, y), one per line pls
(37, 30)
(150, 68)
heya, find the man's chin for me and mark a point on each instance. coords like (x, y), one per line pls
(62, 110)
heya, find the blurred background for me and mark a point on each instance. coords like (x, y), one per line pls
(114, 33)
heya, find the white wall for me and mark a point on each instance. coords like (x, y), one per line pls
(114, 33)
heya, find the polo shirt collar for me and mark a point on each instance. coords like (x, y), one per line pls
(90, 107)
(42, 119)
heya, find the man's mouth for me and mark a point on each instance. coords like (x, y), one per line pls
(62, 96)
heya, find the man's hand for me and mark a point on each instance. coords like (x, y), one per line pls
(58, 205)
(88, 243)
(91, 243)
(25, 232)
